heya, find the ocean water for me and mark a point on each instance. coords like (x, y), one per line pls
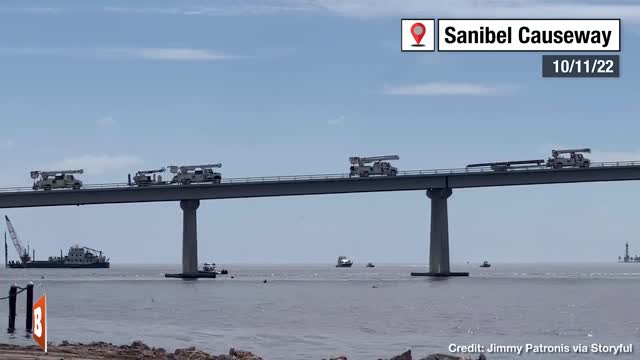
(318, 311)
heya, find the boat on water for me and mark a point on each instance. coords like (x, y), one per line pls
(77, 258)
(211, 268)
(343, 261)
(485, 264)
(370, 265)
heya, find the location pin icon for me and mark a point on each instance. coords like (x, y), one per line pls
(418, 30)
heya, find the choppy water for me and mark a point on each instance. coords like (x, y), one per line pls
(312, 312)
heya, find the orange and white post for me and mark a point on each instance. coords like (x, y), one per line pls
(40, 322)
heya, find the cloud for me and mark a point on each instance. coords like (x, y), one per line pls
(337, 120)
(234, 9)
(483, 8)
(29, 10)
(449, 89)
(167, 54)
(106, 122)
(97, 164)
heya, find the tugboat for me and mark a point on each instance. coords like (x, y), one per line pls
(370, 265)
(485, 264)
(343, 261)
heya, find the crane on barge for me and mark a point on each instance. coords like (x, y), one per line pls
(22, 252)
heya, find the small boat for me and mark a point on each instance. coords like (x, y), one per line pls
(370, 265)
(343, 261)
(485, 264)
(211, 268)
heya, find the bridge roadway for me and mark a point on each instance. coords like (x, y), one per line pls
(19, 197)
(438, 183)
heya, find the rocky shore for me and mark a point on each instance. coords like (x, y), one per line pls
(140, 351)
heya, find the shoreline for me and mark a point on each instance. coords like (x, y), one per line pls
(139, 350)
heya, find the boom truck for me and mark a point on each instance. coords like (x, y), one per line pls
(576, 160)
(360, 168)
(60, 179)
(147, 177)
(190, 174)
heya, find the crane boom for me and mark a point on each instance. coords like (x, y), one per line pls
(44, 174)
(22, 253)
(175, 169)
(555, 153)
(356, 160)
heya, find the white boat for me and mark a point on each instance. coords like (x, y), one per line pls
(343, 261)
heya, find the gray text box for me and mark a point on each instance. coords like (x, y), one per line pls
(581, 66)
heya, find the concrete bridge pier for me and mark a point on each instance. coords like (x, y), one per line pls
(439, 242)
(189, 236)
(190, 242)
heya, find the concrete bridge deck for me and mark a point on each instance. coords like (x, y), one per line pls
(318, 185)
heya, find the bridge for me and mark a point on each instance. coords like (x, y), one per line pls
(438, 184)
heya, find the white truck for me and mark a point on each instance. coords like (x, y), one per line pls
(360, 168)
(148, 177)
(61, 179)
(575, 159)
(191, 174)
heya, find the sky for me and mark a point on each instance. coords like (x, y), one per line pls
(296, 87)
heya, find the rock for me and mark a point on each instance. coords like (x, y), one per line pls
(243, 355)
(139, 345)
(404, 356)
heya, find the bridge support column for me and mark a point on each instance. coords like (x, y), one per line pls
(190, 242)
(189, 236)
(439, 242)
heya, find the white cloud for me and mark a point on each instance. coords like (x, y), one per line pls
(168, 54)
(106, 122)
(337, 120)
(29, 10)
(449, 89)
(483, 8)
(231, 10)
(97, 164)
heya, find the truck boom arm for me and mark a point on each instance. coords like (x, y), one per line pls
(174, 169)
(36, 173)
(555, 153)
(356, 160)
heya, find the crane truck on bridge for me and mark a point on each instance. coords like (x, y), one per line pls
(148, 177)
(575, 159)
(360, 168)
(556, 161)
(60, 179)
(190, 174)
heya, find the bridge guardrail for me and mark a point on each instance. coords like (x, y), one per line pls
(259, 179)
